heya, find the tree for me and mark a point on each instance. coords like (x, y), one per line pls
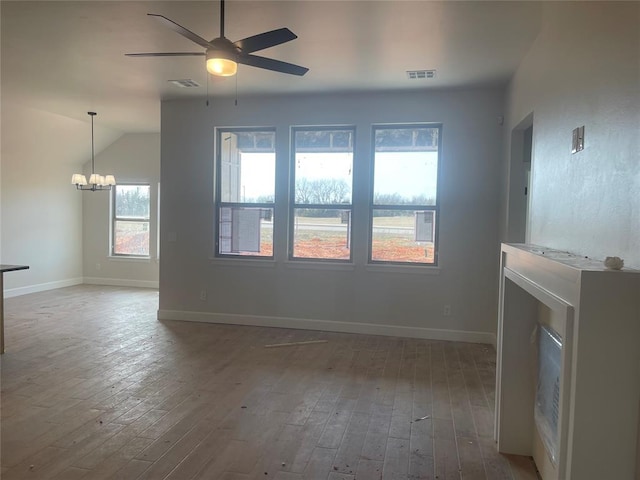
(388, 199)
(303, 191)
(329, 191)
(132, 201)
(264, 199)
(323, 191)
(397, 199)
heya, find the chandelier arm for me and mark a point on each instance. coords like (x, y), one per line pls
(93, 187)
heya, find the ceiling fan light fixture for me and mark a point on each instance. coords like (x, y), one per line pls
(223, 56)
(219, 63)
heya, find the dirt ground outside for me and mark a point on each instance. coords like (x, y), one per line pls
(323, 238)
(326, 238)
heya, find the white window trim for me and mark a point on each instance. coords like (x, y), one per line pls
(322, 264)
(236, 259)
(124, 256)
(130, 258)
(388, 265)
(313, 262)
(243, 261)
(408, 267)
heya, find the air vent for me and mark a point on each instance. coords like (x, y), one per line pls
(420, 74)
(185, 82)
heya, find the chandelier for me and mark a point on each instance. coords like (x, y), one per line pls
(96, 181)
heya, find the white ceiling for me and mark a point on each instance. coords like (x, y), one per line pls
(68, 57)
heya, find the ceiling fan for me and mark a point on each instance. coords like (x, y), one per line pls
(223, 55)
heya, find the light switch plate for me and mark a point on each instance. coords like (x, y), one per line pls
(577, 139)
(581, 138)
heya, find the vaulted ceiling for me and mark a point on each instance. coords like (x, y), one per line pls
(68, 57)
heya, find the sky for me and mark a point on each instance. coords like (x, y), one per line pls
(407, 173)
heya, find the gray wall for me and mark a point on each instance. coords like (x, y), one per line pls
(583, 69)
(133, 158)
(358, 298)
(41, 211)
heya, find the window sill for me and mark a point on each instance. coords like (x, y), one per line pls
(415, 269)
(310, 265)
(242, 262)
(123, 258)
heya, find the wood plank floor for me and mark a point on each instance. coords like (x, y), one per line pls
(95, 387)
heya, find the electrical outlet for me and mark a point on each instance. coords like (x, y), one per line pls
(447, 310)
(98, 266)
(203, 294)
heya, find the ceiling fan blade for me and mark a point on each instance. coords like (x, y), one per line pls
(271, 64)
(265, 40)
(181, 30)
(167, 54)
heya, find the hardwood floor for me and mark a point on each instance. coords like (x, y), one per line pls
(95, 387)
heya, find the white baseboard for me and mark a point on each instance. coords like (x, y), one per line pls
(41, 287)
(330, 325)
(121, 282)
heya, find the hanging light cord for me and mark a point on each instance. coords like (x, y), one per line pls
(207, 103)
(93, 166)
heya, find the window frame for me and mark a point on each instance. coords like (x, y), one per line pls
(293, 205)
(219, 204)
(115, 218)
(435, 208)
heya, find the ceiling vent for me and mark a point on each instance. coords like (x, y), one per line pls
(185, 82)
(420, 74)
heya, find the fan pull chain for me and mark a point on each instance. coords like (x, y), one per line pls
(236, 89)
(207, 103)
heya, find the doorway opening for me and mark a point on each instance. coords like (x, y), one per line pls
(520, 180)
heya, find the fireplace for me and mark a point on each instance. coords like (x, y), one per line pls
(568, 366)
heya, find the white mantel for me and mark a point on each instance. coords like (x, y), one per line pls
(597, 313)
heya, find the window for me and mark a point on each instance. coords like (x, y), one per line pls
(404, 207)
(245, 192)
(321, 194)
(131, 220)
